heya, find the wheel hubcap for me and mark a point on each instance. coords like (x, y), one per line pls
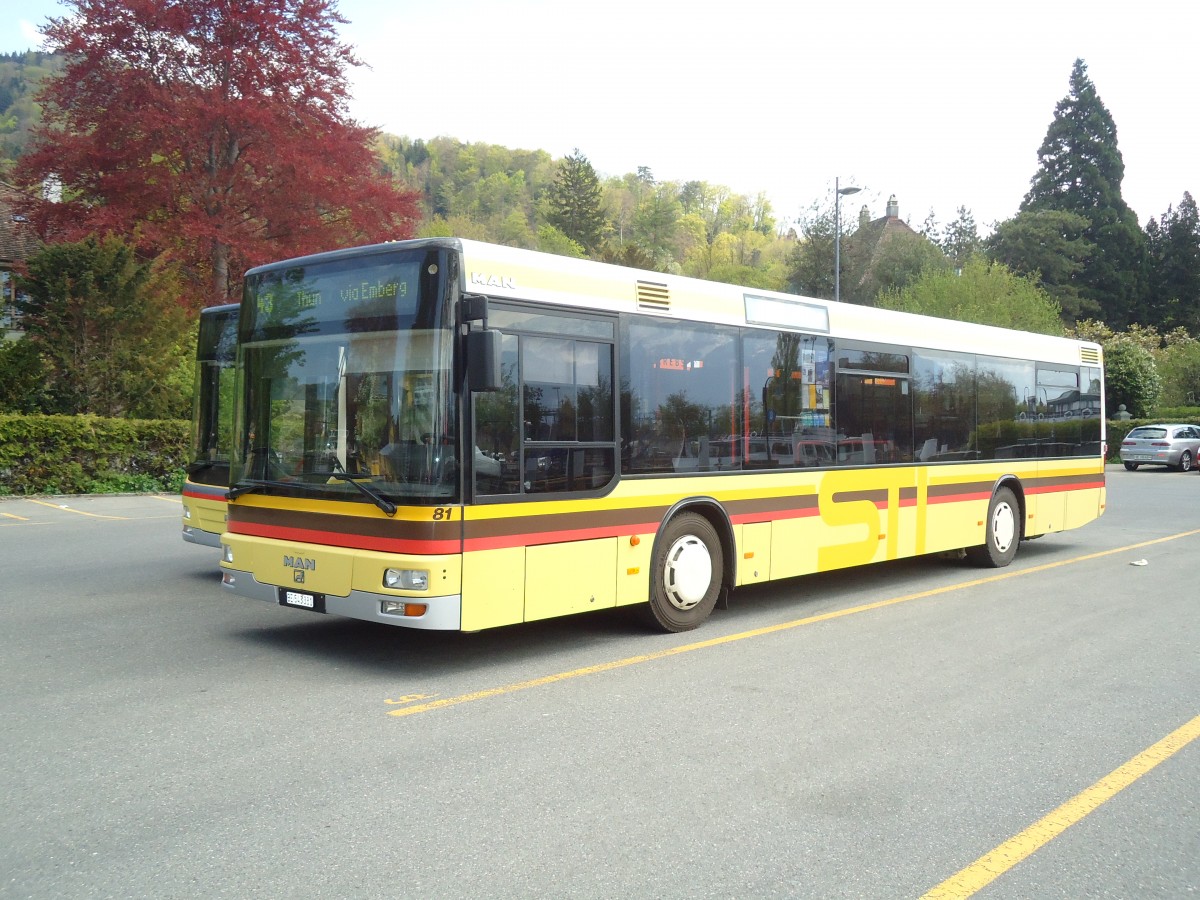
(688, 572)
(1004, 527)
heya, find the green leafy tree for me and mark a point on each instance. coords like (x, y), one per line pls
(1049, 245)
(1173, 243)
(551, 240)
(1131, 376)
(811, 263)
(898, 260)
(574, 202)
(985, 292)
(111, 337)
(1080, 170)
(1179, 367)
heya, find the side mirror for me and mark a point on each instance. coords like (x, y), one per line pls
(483, 360)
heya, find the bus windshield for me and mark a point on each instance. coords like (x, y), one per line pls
(346, 379)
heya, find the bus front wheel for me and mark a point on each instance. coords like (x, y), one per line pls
(1002, 532)
(686, 575)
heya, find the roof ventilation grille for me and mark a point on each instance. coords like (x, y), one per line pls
(653, 296)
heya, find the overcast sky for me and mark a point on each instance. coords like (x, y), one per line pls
(943, 104)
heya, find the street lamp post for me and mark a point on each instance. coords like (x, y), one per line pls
(838, 193)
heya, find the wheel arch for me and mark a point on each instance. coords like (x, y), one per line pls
(1013, 483)
(716, 515)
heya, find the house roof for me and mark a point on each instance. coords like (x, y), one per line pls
(17, 240)
(873, 234)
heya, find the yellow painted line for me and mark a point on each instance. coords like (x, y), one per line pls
(13, 516)
(759, 632)
(992, 865)
(67, 508)
(165, 499)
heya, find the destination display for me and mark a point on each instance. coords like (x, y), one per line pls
(335, 292)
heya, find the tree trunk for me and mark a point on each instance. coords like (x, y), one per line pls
(220, 271)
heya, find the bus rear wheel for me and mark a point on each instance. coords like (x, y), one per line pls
(686, 574)
(1002, 533)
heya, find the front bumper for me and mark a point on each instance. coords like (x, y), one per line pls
(442, 614)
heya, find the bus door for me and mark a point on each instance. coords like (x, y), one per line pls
(543, 445)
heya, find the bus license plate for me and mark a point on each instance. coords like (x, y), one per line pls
(302, 600)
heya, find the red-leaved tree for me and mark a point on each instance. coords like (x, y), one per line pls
(215, 132)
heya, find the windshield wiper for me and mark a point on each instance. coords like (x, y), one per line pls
(243, 487)
(388, 507)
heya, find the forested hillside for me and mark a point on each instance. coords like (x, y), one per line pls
(528, 199)
(1082, 248)
(20, 74)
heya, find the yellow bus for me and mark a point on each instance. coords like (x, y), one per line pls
(212, 427)
(447, 434)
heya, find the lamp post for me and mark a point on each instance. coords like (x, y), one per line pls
(838, 193)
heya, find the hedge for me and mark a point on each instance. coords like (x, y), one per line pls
(90, 454)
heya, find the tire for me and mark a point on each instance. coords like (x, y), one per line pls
(1185, 461)
(1132, 467)
(687, 574)
(1002, 533)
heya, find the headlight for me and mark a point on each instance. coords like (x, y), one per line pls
(406, 579)
(227, 553)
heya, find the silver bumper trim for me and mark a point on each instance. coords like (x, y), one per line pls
(443, 614)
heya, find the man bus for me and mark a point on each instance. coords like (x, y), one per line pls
(448, 434)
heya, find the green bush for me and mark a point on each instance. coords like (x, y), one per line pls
(1182, 414)
(89, 454)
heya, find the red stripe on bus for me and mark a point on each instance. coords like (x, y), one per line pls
(507, 541)
(958, 498)
(1059, 488)
(203, 493)
(350, 541)
(780, 516)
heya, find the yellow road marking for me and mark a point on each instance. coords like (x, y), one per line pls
(759, 632)
(992, 865)
(13, 516)
(165, 499)
(67, 508)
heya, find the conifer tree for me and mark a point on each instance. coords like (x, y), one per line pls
(1080, 171)
(574, 200)
(961, 240)
(1174, 250)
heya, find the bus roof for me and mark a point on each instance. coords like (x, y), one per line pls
(541, 277)
(514, 273)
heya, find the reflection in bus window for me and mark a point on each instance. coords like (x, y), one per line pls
(540, 432)
(679, 397)
(786, 395)
(943, 405)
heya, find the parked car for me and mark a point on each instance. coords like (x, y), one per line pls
(1177, 446)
